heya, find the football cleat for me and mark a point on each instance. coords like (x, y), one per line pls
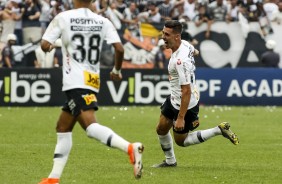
(164, 164)
(49, 181)
(135, 151)
(227, 133)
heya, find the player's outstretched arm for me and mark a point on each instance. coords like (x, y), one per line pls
(116, 72)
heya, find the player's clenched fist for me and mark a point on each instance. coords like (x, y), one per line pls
(115, 75)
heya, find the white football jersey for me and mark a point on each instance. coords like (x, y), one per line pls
(181, 69)
(82, 33)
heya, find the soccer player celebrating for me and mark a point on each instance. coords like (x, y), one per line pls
(82, 33)
(181, 108)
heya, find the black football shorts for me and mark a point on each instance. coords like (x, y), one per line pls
(80, 99)
(191, 115)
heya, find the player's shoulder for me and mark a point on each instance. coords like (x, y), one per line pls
(186, 44)
(63, 15)
(78, 16)
(81, 12)
(66, 12)
(185, 47)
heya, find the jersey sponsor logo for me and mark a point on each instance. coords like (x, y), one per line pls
(85, 21)
(89, 98)
(92, 79)
(86, 28)
(178, 62)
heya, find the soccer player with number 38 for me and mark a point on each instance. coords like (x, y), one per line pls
(82, 33)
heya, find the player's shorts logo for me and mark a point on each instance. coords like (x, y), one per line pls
(195, 124)
(89, 98)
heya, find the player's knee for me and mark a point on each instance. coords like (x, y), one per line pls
(63, 129)
(161, 131)
(179, 139)
(163, 126)
(179, 143)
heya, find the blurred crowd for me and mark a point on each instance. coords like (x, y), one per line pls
(24, 21)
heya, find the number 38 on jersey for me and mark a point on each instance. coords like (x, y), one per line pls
(86, 48)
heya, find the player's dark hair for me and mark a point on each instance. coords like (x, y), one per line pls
(175, 25)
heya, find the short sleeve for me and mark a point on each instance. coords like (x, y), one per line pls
(53, 32)
(111, 35)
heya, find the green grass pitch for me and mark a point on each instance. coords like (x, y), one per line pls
(28, 140)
